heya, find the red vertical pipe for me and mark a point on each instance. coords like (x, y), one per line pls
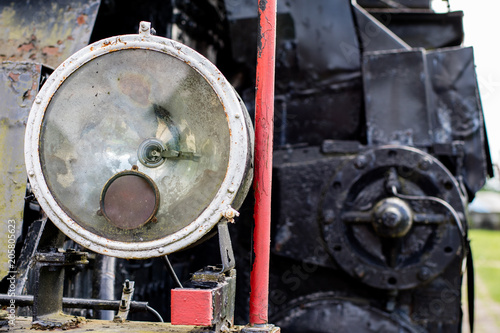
(264, 123)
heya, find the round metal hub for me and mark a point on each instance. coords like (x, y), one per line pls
(129, 200)
(385, 241)
(149, 153)
(392, 217)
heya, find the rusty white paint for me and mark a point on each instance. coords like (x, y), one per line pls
(240, 145)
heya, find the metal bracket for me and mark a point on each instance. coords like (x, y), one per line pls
(28, 251)
(48, 284)
(127, 293)
(226, 248)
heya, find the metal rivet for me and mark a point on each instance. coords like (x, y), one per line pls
(424, 274)
(424, 164)
(87, 243)
(231, 190)
(359, 271)
(160, 250)
(361, 162)
(31, 173)
(38, 100)
(236, 116)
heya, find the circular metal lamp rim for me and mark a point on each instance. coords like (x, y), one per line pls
(227, 191)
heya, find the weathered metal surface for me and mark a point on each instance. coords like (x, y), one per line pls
(403, 116)
(441, 104)
(27, 256)
(374, 35)
(424, 29)
(46, 32)
(317, 68)
(377, 257)
(402, 4)
(18, 87)
(459, 115)
(225, 245)
(48, 283)
(23, 324)
(341, 315)
(346, 190)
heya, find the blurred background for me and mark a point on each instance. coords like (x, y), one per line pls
(481, 31)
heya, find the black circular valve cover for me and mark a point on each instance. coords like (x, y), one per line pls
(386, 241)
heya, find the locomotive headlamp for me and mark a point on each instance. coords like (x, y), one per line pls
(137, 145)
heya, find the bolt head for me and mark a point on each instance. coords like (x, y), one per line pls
(230, 213)
(424, 274)
(359, 271)
(361, 162)
(391, 218)
(424, 164)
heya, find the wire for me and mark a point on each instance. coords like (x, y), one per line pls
(155, 313)
(171, 271)
(441, 202)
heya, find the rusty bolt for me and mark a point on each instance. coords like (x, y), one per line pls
(230, 213)
(360, 271)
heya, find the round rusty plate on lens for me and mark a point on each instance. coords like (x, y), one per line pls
(129, 200)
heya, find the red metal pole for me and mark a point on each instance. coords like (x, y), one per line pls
(264, 123)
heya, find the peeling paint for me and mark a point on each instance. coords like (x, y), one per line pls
(47, 35)
(19, 85)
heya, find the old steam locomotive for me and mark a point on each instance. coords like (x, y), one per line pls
(379, 145)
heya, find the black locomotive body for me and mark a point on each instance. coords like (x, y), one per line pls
(378, 122)
(379, 145)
